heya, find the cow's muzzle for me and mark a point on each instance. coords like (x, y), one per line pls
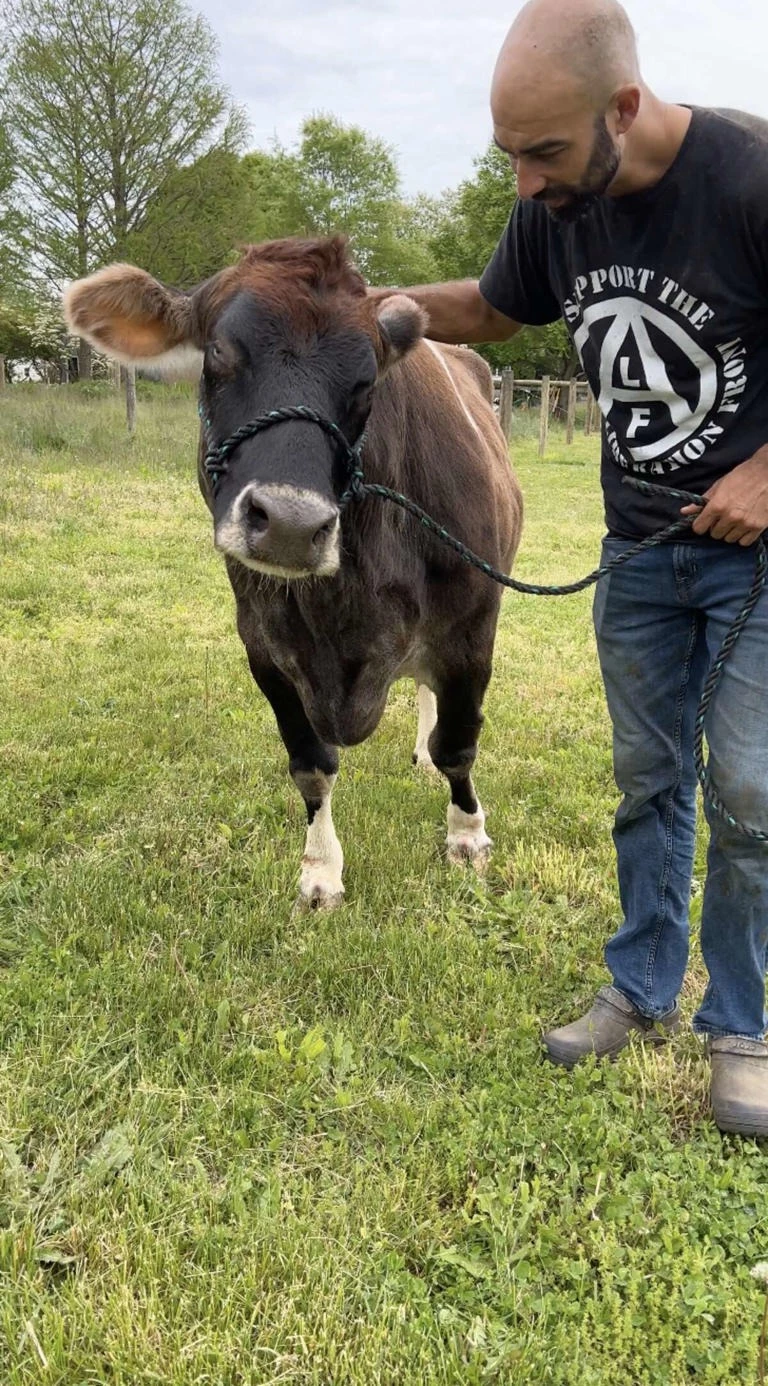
(281, 530)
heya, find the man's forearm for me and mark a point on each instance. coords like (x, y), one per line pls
(457, 312)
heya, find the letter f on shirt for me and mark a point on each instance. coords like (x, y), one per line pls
(640, 419)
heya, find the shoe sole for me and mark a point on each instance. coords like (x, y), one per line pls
(565, 1059)
(731, 1126)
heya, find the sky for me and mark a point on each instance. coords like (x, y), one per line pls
(417, 72)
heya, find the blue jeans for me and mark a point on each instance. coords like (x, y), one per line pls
(660, 621)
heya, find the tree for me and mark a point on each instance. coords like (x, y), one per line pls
(347, 182)
(469, 225)
(107, 99)
(276, 206)
(208, 208)
(10, 260)
(196, 220)
(474, 216)
(343, 179)
(12, 264)
(15, 332)
(32, 329)
(337, 179)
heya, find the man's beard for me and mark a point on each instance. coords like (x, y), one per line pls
(602, 166)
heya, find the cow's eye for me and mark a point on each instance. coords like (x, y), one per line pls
(215, 357)
(363, 387)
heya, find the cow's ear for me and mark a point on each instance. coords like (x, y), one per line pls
(127, 314)
(402, 324)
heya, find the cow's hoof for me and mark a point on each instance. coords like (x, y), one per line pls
(467, 840)
(319, 901)
(321, 887)
(425, 765)
(469, 851)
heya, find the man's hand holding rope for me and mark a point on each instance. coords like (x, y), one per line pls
(737, 504)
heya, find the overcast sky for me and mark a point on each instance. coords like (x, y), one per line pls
(417, 72)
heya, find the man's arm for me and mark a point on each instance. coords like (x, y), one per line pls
(457, 312)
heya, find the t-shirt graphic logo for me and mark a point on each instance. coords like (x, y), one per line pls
(657, 383)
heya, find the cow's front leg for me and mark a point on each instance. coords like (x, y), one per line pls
(313, 765)
(453, 748)
(427, 704)
(323, 861)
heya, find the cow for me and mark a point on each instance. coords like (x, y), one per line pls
(334, 603)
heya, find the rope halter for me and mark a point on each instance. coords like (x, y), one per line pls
(216, 460)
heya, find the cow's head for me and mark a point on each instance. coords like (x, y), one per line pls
(290, 324)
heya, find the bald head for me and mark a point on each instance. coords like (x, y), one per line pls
(572, 112)
(585, 45)
(566, 91)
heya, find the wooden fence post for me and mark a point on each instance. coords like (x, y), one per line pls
(594, 424)
(588, 413)
(544, 415)
(571, 416)
(130, 398)
(2, 372)
(84, 359)
(505, 401)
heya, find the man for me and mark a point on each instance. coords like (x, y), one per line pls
(645, 225)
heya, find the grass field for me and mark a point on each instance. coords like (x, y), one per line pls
(240, 1145)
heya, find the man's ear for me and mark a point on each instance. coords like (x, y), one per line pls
(127, 314)
(402, 323)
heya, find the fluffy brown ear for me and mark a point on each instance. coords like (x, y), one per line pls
(127, 314)
(402, 324)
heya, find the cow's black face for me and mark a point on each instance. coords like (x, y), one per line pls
(276, 508)
(290, 324)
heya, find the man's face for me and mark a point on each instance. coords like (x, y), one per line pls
(563, 154)
(572, 201)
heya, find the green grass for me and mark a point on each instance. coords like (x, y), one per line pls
(241, 1145)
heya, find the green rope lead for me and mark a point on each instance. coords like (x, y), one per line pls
(216, 464)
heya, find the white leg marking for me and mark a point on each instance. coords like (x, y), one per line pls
(467, 839)
(323, 860)
(427, 722)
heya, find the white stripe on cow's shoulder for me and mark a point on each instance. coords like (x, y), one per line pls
(467, 839)
(438, 353)
(323, 860)
(427, 721)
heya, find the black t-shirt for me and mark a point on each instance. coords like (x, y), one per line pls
(665, 294)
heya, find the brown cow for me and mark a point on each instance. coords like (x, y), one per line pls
(335, 604)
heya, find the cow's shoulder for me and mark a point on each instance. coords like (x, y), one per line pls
(464, 361)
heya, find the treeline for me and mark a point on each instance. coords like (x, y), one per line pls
(118, 141)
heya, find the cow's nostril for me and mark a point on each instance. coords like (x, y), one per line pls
(258, 518)
(322, 533)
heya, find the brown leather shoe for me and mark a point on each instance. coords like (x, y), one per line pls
(740, 1084)
(605, 1029)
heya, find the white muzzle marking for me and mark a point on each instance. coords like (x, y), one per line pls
(232, 537)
